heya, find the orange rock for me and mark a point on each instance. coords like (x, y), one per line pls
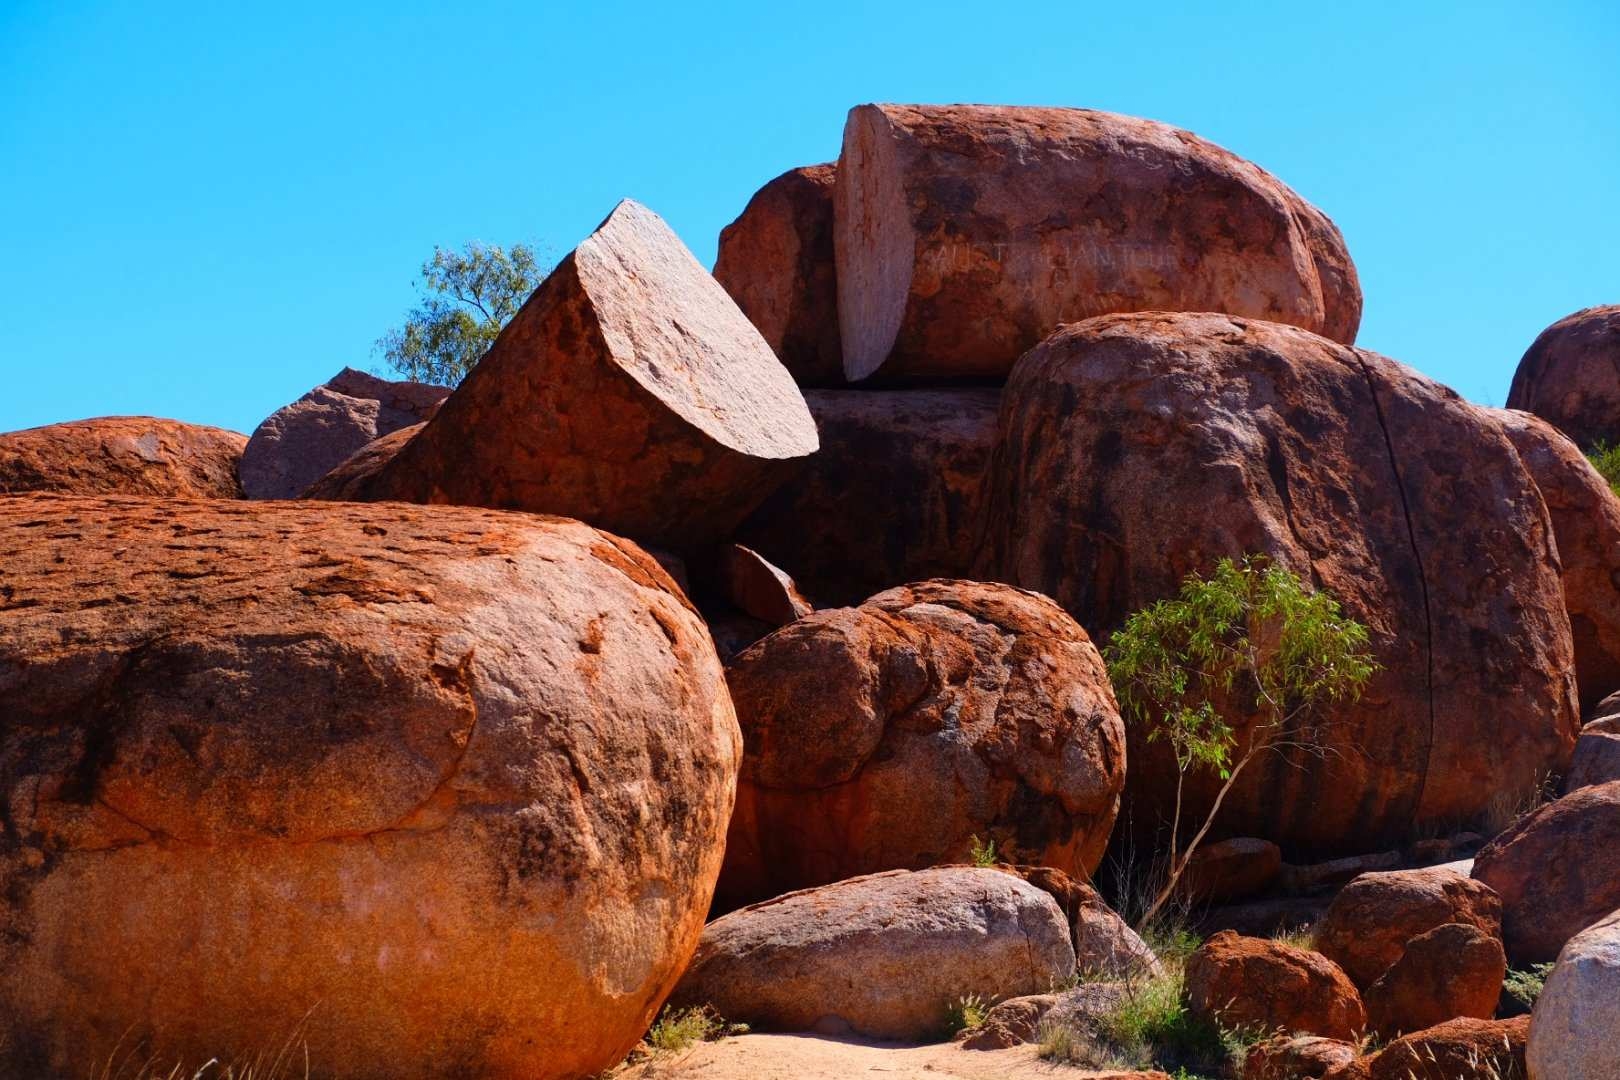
(759, 589)
(1586, 523)
(628, 392)
(1570, 376)
(1453, 970)
(447, 785)
(123, 455)
(964, 234)
(1261, 986)
(888, 736)
(894, 494)
(1456, 1050)
(1136, 449)
(776, 261)
(1371, 920)
(1557, 870)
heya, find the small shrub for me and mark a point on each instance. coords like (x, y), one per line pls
(1298, 937)
(966, 1013)
(1606, 460)
(1525, 986)
(982, 853)
(678, 1029)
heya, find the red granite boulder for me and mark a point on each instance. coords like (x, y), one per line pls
(1264, 987)
(122, 455)
(1570, 376)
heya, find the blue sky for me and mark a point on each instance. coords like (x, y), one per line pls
(205, 210)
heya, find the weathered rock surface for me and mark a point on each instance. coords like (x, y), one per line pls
(122, 455)
(1453, 970)
(1298, 1057)
(351, 480)
(1139, 448)
(1596, 761)
(1230, 870)
(275, 763)
(1586, 523)
(1371, 920)
(1557, 871)
(888, 736)
(1255, 985)
(1570, 376)
(628, 392)
(1463, 1049)
(776, 261)
(299, 443)
(894, 495)
(883, 956)
(1577, 1017)
(964, 234)
(1104, 943)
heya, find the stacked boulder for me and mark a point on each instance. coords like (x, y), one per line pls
(1570, 376)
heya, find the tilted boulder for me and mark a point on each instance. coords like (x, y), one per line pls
(1463, 1049)
(122, 455)
(1370, 922)
(1453, 970)
(891, 735)
(1260, 986)
(299, 443)
(1136, 449)
(1577, 1016)
(1570, 376)
(444, 789)
(964, 234)
(1586, 524)
(628, 392)
(894, 495)
(776, 261)
(884, 956)
(1557, 870)
(351, 480)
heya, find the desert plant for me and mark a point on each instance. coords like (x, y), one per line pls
(1298, 937)
(1605, 458)
(1253, 637)
(1063, 1045)
(982, 853)
(966, 1013)
(1524, 986)
(677, 1029)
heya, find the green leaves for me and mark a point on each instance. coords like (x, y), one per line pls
(468, 296)
(1252, 636)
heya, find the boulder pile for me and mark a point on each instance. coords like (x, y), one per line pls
(779, 599)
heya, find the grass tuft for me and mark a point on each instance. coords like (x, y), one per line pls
(982, 853)
(678, 1029)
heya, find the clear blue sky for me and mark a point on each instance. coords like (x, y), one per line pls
(204, 212)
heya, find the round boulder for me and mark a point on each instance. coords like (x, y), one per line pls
(1570, 376)
(1573, 1029)
(1136, 449)
(1369, 923)
(884, 956)
(444, 789)
(895, 734)
(122, 455)
(1265, 987)
(1453, 970)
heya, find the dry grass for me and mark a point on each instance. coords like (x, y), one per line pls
(289, 1061)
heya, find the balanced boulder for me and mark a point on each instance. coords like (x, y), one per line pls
(1576, 1022)
(1570, 376)
(1136, 449)
(894, 495)
(884, 956)
(776, 261)
(1264, 987)
(897, 734)
(122, 455)
(1586, 524)
(1557, 870)
(628, 392)
(1370, 922)
(299, 443)
(964, 234)
(1453, 970)
(443, 789)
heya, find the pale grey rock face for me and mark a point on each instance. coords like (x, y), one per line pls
(1575, 1029)
(882, 956)
(1596, 761)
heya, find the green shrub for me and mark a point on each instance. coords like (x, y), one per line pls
(1606, 460)
(678, 1029)
(1525, 986)
(983, 853)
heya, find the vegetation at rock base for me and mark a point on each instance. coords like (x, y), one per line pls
(966, 1012)
(1524, 986)
(1251, 635)
(467, 297)
(1605, 458)
(678, 1029)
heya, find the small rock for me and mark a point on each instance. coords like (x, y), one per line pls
(1230, 870)
(1298, 1057)
(1596, 761)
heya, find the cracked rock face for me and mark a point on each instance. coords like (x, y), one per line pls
(447, 785)
(628, 392)
(889, 735)
(1136, 449)
(884, 956)
(964, 234)
(1570, 376)
(122, 455)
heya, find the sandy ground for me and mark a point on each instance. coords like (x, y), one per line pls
(814, 1057)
